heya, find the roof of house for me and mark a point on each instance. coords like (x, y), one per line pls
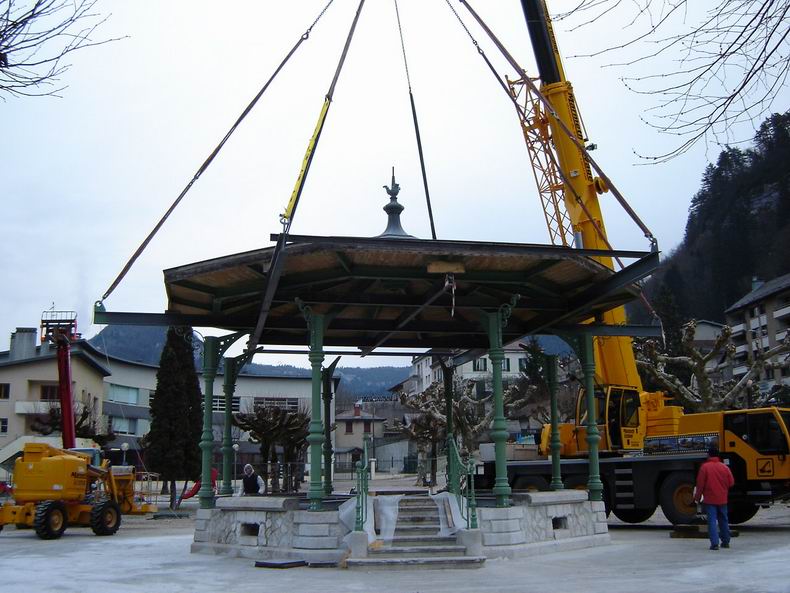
(762, 292)
(707, 322)
(362, 416)
(80, 349)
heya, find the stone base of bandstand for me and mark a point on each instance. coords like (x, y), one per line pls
(274, 528)
(268, 528)
(542, 522)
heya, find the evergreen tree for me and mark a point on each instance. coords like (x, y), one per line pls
(172, 444)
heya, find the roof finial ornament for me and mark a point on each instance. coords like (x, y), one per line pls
(393, 209)
(392, 192)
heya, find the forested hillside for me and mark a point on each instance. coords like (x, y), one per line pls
(738, 228)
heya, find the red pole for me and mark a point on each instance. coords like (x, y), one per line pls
(64, 391)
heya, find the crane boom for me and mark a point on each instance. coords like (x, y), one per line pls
(565, 170)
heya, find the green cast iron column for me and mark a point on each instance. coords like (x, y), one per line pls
(453, 471)
(551, 380)
(594, 484)
(496, 321)
(326, 379)
(210, 362)
(315, 323)
(229, 387)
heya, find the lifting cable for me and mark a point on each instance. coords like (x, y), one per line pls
(550, 110)
(550, 153)
(210, 158)
(286, 218)
(416, 124)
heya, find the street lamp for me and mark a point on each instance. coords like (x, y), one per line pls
(235, 465)
(124, 448)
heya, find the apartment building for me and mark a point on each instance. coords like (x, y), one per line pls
(425, 370)
(29, 387)
(759, 321)
(119, 393)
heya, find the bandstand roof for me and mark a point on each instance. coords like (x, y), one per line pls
(399, 292)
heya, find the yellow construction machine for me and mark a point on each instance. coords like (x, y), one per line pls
(55, 488)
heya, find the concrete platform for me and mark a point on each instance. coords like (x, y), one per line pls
(150, 555)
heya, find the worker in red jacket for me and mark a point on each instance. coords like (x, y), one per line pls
(713, 484)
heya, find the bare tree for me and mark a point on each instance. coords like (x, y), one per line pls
(271, 426)
(708, 64)
(36, 38)
(87, 423)
(704, 392)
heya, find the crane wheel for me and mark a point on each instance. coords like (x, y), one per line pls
(580, 483)
(105, 517)
(741, 512)
(633, 515)
(677, 498)
(530, 484)
(50, 520)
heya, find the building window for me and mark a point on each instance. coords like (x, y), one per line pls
(218, 403)
(481, 364)
(123, 394)
(49, 393)
(366, 426)
(349, 427)
(3, 425)
(120, 425)
(522, 365)
(5, 390)
(506, 365)
(284, 403)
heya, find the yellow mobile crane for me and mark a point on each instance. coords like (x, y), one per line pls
(650, 450)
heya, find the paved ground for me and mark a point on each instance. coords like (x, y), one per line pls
(148, 555)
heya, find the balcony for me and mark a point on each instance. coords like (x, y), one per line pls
(35, 407)
(739, 371)
(738, 329)
(757, 322)
(783, 312)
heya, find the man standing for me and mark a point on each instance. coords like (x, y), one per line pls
(713, 484)
(252, 482)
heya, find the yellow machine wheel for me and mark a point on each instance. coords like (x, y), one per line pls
(105, 518)
(50, 520)
(677, 498)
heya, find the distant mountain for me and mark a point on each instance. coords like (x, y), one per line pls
(137, 343)
(738, 228)
(144, 345)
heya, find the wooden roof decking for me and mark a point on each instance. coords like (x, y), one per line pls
(376, 288)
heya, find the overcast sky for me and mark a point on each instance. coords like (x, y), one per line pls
(85, 177)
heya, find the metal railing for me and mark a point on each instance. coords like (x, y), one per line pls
(464, 486)
(362, 489)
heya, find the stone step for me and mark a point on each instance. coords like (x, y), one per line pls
(415, 501)
(418, 519)
(414, 509)
(417, 551)
(423, 540)
(436, 562)
(418, 529)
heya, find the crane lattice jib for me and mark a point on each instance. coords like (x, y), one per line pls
(535, 126)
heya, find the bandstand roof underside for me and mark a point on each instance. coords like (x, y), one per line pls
(406, 293)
